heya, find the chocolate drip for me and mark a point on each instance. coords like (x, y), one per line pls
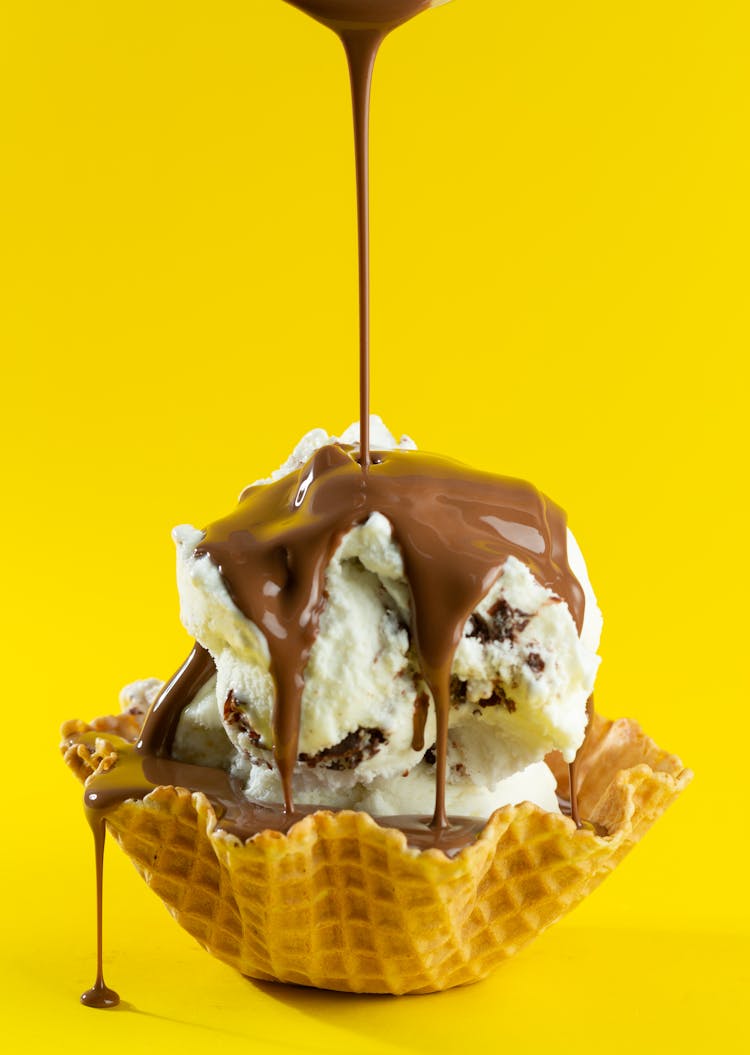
(99, 995)
(573, 782)
(569, 806)
(127, 780)
(164, 714)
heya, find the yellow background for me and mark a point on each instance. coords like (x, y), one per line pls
(560, 271)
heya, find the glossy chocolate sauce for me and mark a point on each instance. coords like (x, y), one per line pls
(455, 529)
(362, 25)
(136, 774)
(99, 995)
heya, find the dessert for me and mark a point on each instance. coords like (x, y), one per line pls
(349, 783)
(359, 778)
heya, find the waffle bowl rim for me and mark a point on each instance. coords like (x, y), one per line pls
(567, 864)
(614, 812)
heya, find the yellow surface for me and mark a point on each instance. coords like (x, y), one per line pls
(560, 233)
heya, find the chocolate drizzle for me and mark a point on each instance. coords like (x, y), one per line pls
(159, 729)
(455, 528)
(362, 25)
(99, 995)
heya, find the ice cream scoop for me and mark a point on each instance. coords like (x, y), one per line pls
(360, 626)
(519, 679)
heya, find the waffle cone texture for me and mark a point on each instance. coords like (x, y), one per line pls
(341, 903)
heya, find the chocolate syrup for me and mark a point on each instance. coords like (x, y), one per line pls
(362, 25)
(136, 775)
(158, 732)
(455, 529)
(99, 995)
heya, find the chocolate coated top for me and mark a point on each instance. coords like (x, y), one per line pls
(455, 528)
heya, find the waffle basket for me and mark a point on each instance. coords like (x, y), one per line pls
(342, 903)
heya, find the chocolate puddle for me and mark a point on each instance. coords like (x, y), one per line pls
(135, 775)
(455, 528)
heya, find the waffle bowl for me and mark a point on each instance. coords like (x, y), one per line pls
(342, 903)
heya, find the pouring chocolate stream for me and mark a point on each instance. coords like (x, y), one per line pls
(362, 25)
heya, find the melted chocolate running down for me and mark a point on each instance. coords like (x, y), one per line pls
(455, 528)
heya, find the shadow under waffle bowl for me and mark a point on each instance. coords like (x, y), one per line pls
(341, 903)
